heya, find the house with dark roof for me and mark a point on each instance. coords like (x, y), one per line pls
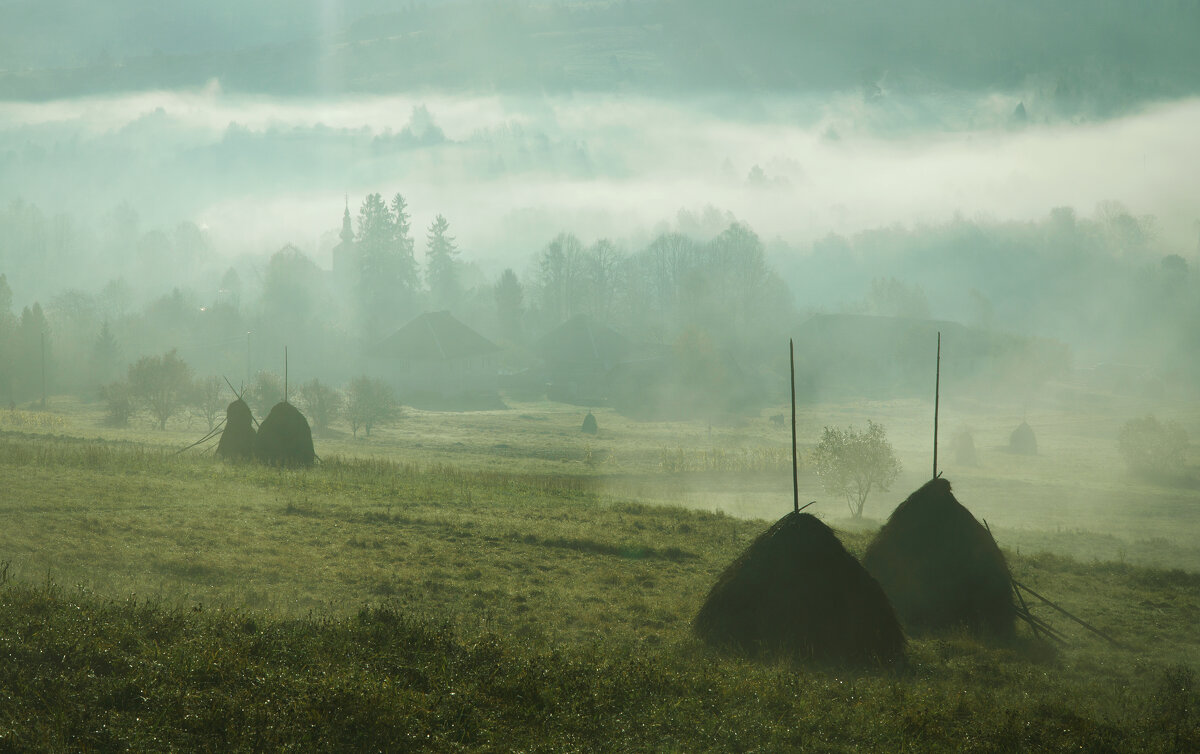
(859, 355)
(436, 355)
(577, 357)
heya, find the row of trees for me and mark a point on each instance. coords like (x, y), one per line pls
(388, 277)
(23, 348)
(165, 387)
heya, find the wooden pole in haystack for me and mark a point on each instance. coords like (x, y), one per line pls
(239, 397)
(937, 389)
(285, 375)
(43, 370)
(795, 477)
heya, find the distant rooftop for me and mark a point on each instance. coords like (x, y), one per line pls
(434, 336)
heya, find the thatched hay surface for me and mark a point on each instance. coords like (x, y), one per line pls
(589, 424)
(238, 439)
(1023, 441)
(285, 439)
(941, 568)
(797, 590)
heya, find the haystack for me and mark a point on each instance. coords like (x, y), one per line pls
(963, 446)
(238, 439)
(284, 439)
(589, 424)
(797, 590)
(1023, 441)
(941, 568)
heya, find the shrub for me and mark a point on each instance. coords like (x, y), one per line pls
(368, 403)
(321, 402)
(119, 404)
(1154, 449)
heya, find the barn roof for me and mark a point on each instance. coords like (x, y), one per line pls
(434, 336)
(583, 340)
(876, 329)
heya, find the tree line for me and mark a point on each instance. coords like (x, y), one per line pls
(165, 387)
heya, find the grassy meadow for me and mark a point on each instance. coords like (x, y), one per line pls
(498, 580)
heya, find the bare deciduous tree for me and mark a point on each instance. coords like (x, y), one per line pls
(161, 384)
(853, 463)
(321, 402)
(368, 403)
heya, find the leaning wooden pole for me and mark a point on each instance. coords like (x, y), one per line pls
(937, 390)
(240, 398)
(795, 476)
(1080, 621)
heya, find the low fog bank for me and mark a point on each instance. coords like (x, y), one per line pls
(509, 172)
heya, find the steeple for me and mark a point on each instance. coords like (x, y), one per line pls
(347, 234)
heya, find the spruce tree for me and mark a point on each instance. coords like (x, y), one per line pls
(441, 264)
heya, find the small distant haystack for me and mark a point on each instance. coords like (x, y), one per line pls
(589, 424)
(797, 590)
(963, 447)
(284, 439)
(1022, 440)
(238, 439)
(941, 568)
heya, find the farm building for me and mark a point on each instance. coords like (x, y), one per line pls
(437, 357)
(893, 357)
(879, 357)
(577, 357)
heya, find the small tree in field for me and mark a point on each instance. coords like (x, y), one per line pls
(119, 404)
(853, 463)
(162, 384)
(321, 402)
(207, 401)
(1154, 449)
(368, 403)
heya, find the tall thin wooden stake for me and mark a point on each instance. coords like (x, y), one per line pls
(43, 370)
(795, 478)
(285, 374)
(937, 389)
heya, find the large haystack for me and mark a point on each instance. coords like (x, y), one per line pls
(1023, 441)
(797, 590)
(589, 424)
(941, 568)
(238, 439)
(284, 439)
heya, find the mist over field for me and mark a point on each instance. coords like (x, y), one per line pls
(263, 171)
(523, 276)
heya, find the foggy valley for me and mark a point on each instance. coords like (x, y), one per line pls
(381, 377)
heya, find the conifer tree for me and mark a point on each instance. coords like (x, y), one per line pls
(441, 264)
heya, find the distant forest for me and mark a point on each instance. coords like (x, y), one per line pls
(1088, 57)
(709, 289)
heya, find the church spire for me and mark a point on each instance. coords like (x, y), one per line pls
(347, 234)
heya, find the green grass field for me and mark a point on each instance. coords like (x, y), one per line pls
(498, 580)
